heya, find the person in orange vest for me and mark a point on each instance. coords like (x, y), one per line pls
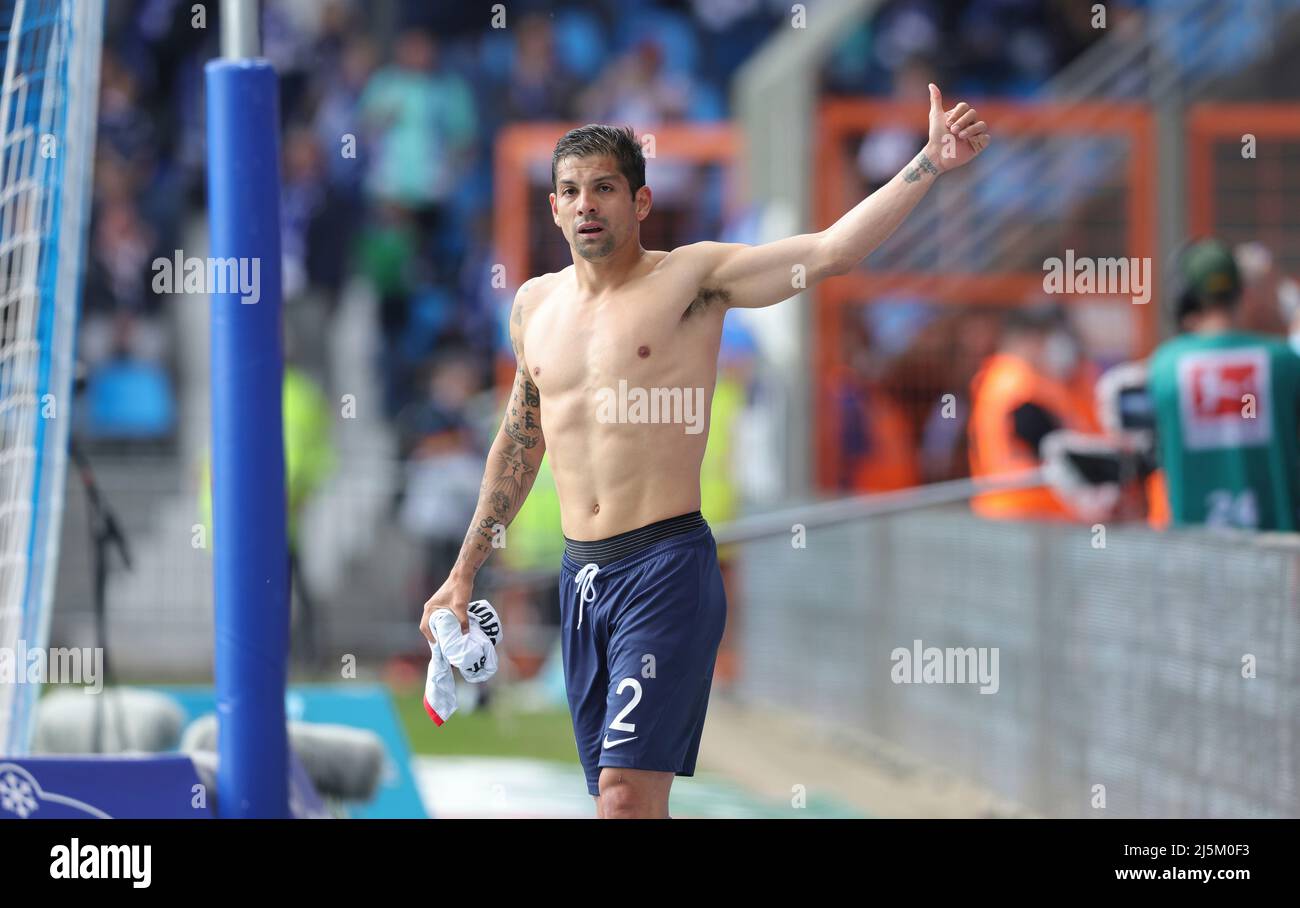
(877, 441)
(1023, 392)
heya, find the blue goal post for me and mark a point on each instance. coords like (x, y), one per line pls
(249, 512)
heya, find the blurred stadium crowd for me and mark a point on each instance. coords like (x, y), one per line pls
(405, 201)
(390, 112)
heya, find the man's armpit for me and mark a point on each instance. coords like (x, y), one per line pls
(706, 299)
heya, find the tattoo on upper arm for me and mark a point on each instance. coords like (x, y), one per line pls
(920, 165)
(524, 425)
(706, 297)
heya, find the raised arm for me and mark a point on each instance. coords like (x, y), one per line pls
(511, 468)
(756, 276)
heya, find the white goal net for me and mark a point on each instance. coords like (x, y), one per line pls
(50, 52)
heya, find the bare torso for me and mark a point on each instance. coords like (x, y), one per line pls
(659, 335)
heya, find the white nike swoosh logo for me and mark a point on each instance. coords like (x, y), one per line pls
(609, 743)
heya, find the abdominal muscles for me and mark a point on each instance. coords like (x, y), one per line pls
(616, 471)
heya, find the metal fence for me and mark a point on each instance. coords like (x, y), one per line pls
(1122, 657)
(362, 571)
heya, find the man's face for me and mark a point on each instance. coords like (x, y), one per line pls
(593, 206)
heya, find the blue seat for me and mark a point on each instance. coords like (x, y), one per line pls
(130, 400)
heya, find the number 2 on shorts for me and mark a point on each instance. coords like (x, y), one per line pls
(618, 724)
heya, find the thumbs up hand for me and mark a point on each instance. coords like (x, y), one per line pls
(957, 134)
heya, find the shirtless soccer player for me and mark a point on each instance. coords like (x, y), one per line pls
(642, 605)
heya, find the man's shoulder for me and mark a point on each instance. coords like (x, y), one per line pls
(691, 266)
(531, 294)
(1227, 340)
(1181, 343)
(703, 251)
(534, 290)
(544, 281)
(1167, 347)
(1165, 357)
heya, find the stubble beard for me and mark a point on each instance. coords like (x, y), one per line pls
(592, 252)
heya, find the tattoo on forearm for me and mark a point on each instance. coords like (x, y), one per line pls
(504, 487)
(509, 475)
(922, 164)
(520, 437)
(511, 480)
(479, 536)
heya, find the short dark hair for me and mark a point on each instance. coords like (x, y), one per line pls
(1207, 278)
(593, 139)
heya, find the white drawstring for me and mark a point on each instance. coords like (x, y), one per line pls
(586, 592)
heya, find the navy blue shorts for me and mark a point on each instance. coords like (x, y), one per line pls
(639, 649)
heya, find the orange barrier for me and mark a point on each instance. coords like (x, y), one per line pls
(842, 121)
(1238, 198)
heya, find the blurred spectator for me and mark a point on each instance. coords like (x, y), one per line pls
(1226, 406)
(931, 380)
(721, 469)
(479, 293)
(538, 88)
(1022, 394)
(718, 472)
(1265, 292)
(124, 128)
(732, 30)
(885, 151)
(305, 204)
(336, 122)
(1006, 47)
(635, 89)
(1071, 29)
(443, 464)
(422, 124)
(877, 440)
(386, 254)
(317, 227)
(120, 265)
(905, 29)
